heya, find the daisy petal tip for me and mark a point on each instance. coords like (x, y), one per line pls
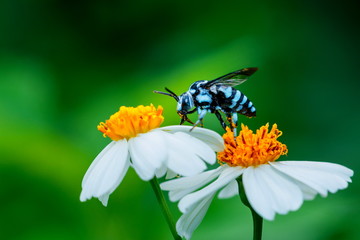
(181, 231)
(163, 186)
(270, 216)
(104, 203)
(173, 199)
(185, 204)
(144, 177)
(83, 199)
(187, 236)
(104, 199)
(85, 195)
(182, 207)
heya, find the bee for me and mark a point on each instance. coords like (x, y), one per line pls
(215, 96)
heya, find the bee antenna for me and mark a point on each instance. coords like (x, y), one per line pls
(168, 93)
(172, 93)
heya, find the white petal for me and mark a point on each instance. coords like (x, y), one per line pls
(320, 177)
(189, 221)
(308, 192)
(197, 147)
(255, 195)
(332, 168)
(180, 187)
(269, 192)
(211, 138)
(230, 190)
(104, 199)
(148, 153)
(97, 160)
(161, 171)
(106, 172)
(181, 159)
(226, 176)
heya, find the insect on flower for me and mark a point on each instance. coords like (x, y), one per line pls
(215, 96)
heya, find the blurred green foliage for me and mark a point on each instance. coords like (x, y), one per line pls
(67, 65)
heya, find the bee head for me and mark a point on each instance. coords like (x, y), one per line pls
(184, 103)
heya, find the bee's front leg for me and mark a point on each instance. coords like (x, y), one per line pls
(202, 114)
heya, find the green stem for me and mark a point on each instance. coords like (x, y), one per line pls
(257, 220)
(164, 207)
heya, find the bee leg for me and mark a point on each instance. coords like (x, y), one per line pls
(229, 119)
(234, 123)
(218, 115)
(232, 118)
(202, 114)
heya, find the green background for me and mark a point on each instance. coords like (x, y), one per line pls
(67, 65)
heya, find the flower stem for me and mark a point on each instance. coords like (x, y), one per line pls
(258, 223)
(164, 207)
(257, 220)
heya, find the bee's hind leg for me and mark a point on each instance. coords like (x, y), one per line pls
(234, 123)
(233, 119)
(218, 115)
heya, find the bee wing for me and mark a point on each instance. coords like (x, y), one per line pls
(232, 79)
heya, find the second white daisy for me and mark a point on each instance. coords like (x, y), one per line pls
(270, 187)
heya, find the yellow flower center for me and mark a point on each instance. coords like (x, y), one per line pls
(128, 122)
(251, 149)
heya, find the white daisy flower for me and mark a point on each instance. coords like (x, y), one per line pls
(152, 151)
(270, 187)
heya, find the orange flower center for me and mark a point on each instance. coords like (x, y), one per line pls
(128, 122)
(249, 149)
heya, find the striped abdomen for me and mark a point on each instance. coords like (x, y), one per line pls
(232, 100)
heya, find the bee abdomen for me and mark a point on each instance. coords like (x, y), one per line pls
(243, 105)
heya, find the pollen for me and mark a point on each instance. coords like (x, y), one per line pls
(128, 122)
(252, 149)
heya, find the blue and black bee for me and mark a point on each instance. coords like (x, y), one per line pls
(215, 96)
